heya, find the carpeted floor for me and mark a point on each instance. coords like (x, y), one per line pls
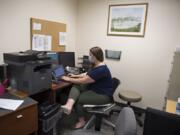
(66, 123)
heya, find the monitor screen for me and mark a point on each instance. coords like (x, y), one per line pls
(67, 59)
(53, 56)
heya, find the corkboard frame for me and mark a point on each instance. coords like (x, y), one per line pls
(48, 28)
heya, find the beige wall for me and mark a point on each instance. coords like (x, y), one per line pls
(15, 21)
(145, 62)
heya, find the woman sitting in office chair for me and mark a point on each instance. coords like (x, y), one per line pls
(97, 91)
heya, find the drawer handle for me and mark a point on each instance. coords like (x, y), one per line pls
(19, 116)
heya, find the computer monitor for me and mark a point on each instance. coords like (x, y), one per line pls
(54, 57)
(67, 59)
(159, 122)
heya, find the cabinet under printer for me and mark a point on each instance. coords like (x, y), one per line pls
(29, 72)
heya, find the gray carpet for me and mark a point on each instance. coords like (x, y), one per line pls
(66, 123)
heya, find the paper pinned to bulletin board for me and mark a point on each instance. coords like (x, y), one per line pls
(45, 35)
(62, 38)
(42, 42)
(36, 26)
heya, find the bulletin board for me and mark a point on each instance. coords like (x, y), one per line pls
(48, 28)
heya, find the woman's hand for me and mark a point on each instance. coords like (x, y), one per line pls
(78, 80)
(71, 75)
(66, 78)
(77, 76)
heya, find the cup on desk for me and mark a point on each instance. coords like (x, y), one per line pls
(178, 107)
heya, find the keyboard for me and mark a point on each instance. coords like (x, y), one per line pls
(72, 70)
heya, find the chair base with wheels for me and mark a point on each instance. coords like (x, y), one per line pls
(99, 113)
(125, 125)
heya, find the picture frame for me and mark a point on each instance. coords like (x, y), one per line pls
(127, 19)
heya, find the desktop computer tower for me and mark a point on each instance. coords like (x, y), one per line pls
(49, 114)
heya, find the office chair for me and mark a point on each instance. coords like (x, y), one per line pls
(101, 111)
(159, 122)
(125, 125)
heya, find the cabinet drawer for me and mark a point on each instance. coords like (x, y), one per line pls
(21, 122)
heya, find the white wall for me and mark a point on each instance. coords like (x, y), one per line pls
(145, 63)
(15, 21)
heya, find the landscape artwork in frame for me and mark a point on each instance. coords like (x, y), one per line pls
(127, 19)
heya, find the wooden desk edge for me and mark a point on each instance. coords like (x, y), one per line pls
(61, 85)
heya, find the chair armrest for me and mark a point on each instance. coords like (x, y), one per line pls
(99, 109)
(96, 106)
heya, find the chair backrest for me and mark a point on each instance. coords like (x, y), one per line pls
(126, 122)
(115, 83)
(158, 122)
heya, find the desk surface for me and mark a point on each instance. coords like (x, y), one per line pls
(171, 106)
(61, 85)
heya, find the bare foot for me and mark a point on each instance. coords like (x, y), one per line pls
(80, 124)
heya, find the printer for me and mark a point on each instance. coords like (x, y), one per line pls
(29, 71)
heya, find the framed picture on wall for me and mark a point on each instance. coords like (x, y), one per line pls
(127, 19)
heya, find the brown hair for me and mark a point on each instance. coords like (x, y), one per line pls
(98, 53)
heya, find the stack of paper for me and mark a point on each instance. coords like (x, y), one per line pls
(10, 104)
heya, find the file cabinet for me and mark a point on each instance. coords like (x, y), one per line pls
(23, 121)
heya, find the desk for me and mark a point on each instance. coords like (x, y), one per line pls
(60, 86)
(50, 94)
(171, 106)
(23, 121)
